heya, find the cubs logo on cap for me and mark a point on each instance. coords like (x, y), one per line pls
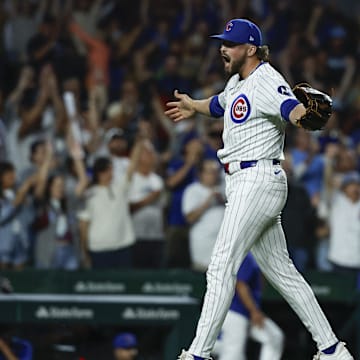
(240, 109)
(229, 26)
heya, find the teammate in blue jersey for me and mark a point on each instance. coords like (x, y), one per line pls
(256, 104)
(245, 319)
(15, 349)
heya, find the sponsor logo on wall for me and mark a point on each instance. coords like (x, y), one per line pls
(57, 312)
(140, 313)
(166, 288)
(99, 287)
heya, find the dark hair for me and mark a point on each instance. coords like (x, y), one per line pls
(47, 194)
(101, 165)
(34, 146)
(186, 138)
(215, 134)
(201, 165)
(5, 167)
(27, 100)
(48, 19)
(263, 53)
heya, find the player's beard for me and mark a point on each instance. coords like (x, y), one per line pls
(236, 65)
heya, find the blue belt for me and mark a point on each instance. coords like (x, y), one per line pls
(247, 164)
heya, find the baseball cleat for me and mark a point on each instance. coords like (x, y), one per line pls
(341, 353)
(185, 355)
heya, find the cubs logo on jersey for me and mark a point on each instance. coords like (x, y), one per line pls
(284, 90)
(240, 109)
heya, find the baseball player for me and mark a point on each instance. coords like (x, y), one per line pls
(125, 346)
(256, 104)
(245, 318)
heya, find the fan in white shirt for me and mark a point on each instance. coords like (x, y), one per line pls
(147, 208)
(344, 248)
(106, 229)
(203, 207)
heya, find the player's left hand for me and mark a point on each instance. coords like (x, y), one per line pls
(181, 109)
(318, 107)
(257, 318)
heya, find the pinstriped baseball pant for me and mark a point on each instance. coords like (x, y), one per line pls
(256, 197)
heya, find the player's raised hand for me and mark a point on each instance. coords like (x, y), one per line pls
(181, 109)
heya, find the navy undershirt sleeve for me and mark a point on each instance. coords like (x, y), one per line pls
(287, 106)
(216, 109)
(246, 269)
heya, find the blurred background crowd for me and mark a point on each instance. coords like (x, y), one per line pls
(92, 173)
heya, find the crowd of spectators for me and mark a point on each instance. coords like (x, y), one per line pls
(93, 174)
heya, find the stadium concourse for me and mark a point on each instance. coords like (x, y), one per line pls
(93, 174)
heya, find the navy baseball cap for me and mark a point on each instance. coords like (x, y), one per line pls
(125, 341)
(241, 31)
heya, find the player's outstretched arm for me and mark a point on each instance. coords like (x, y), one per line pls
(185, 107)
(296, 114)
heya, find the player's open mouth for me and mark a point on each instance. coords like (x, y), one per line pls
(225, 58)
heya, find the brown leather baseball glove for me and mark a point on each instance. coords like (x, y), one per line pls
(318, 107)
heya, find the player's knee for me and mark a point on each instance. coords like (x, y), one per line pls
(217, 272)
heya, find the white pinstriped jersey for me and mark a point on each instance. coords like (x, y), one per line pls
(253, 126)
